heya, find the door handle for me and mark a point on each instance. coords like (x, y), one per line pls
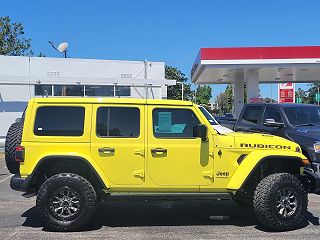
(106, 150)
(159, 150)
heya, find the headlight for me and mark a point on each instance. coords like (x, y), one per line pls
(316, 147)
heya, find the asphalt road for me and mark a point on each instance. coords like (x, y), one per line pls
(149, 220)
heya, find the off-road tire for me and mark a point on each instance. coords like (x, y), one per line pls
(87, 197)
(13, 139)
(264, 202)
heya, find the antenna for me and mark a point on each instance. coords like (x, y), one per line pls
(62, 48)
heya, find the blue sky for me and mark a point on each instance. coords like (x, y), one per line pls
(169, 31)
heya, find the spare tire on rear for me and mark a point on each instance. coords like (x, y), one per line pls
(13, 139)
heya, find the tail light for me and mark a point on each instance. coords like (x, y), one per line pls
(19, 156)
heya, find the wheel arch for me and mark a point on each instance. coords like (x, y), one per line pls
(50, 165)
(254, 170)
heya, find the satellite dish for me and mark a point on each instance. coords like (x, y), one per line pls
(63, 47)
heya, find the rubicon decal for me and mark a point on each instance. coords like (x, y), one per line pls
(259, 145)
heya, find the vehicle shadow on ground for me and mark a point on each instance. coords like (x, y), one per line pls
(167, 213)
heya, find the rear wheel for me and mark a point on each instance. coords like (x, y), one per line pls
(13, 139)
(67, 202)
(280, 202)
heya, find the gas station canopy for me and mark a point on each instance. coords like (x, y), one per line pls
(274, 64)
(254, 65)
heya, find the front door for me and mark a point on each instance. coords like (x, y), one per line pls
(175, 157)
(117, 142)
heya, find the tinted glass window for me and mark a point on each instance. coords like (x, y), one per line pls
(173, 123)
(252, 114)
(303, 116)
(43, 90)
(272, 113)
(68, 90)
(118, 122)
(59, 121)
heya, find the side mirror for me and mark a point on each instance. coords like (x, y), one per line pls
(273, 123)
(200, 131)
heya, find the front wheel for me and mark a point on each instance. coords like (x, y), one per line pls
(67, 202)
(280, 202)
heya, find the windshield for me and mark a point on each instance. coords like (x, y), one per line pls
(208, 116)
(303, 116)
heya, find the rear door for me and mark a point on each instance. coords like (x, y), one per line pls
(118, 141)
(251, 119)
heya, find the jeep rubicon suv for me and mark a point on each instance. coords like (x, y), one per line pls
(76, 152)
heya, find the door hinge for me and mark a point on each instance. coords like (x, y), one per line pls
(211, 153)
(139, 173)
(208, 174)
(139, 151)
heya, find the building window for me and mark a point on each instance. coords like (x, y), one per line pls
(108, 91)
(102, 91)
(68, 90)
(123, 91)
(118, 122)
(59, 121)
(43, 90)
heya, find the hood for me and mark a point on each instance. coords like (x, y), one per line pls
(221, 129)
(262, 142)
(308, 131)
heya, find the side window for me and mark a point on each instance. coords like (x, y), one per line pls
(252, 114)
(118, 122)
(272, 113)
(59, 121)
(173, 123)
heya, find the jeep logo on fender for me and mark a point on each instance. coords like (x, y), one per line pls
(222, 174)
(259, 145)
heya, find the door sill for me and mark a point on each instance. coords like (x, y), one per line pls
(167, 196)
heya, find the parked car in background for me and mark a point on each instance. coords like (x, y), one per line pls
(226, 122)
(297, 122)
(214, 123)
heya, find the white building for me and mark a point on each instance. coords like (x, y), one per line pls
(22, 78)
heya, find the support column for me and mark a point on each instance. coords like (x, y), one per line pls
(238, 93)
(252, 84)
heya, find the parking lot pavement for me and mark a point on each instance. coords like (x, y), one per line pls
(148, 220)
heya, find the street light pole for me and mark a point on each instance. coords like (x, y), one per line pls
(182, 90)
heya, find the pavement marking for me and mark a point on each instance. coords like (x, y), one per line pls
(6, 178)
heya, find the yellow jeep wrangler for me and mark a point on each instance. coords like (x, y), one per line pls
(75, 152)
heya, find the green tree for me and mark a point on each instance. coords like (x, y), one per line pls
(225, 100)
(175, 92)
(313, 90)
(301, 94)
(203, 94)
(12, 41)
